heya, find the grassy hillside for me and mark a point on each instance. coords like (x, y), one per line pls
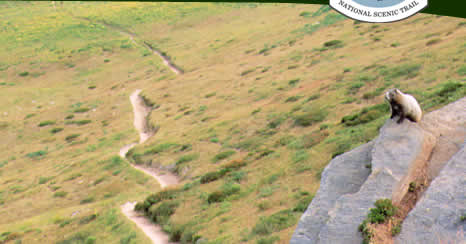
(270, 93)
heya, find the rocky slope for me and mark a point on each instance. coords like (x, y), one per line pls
(384, 168)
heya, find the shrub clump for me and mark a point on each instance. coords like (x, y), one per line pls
(222, 155)
(405, 70)
(275, 222)
(81, 110)
(71, 137)
(36, 154)
(212, 176)
(161, 213)
(310, 118)
(166, 194)
(226, 191)
(55, 130)
(47, 122)
(383, 210)
(366, 115)
(333, 44)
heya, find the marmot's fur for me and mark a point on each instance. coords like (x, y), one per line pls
(403, 105)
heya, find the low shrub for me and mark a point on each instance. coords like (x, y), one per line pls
(187, 158)
(302, 204)
(275, 222)
(160, 213)
(334, 44)
(47, 122)
(407, 71)
(79, 122)
(81, 110)
(222, 155)
(366, 115)
(310, 118)
(87, 219)
(212, 176)
(166, 194)
(55, 130)
(382, 211)
(293, 99)
(60, 194)
(71, 137)
(226, 191)
(87, 200)
(36, 154)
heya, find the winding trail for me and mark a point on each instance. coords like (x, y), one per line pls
(132, 36)
(141, 111)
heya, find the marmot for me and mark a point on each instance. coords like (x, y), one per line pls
(403, 105)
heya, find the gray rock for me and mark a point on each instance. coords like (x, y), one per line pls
(397, 156)
(344, 175)
(436, 218)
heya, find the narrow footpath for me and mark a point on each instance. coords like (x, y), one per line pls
(153, 231)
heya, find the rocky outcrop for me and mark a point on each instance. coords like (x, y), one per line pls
(398, 156)
(437, 217)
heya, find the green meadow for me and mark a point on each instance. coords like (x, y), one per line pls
(269, 95)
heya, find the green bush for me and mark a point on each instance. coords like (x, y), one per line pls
(222, 155)
(407, 71)
(333, 44)
(305, 14)
(212, 176)
(187, 158)
(274, 123)
(461, 70)
(60, 194)
(226, 191)
(396, 229)
(383, 210)
(79, 122)
(313, 97)
(36, 154)
(302, 204)
(293, 82)
(160, 213)
(275, 222)
(310, 118)
(81, 110)
(43, 180)
(166, 194)
(87, 200)
(29, 116)
(268, 240)
(160, 148)
(55, 130)
(412, 187)
(448, 92)
(293, 99)
(24, 73)
(366, 115)
(71, 137)
(69, 116)
(247, 71)
(210, 95)
(47, 122)
(87, 219)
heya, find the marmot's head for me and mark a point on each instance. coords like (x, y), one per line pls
(391, 94)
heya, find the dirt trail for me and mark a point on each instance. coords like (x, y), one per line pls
(154, 232)
(141, 111)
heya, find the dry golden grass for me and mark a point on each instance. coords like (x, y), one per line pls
(218, 46)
